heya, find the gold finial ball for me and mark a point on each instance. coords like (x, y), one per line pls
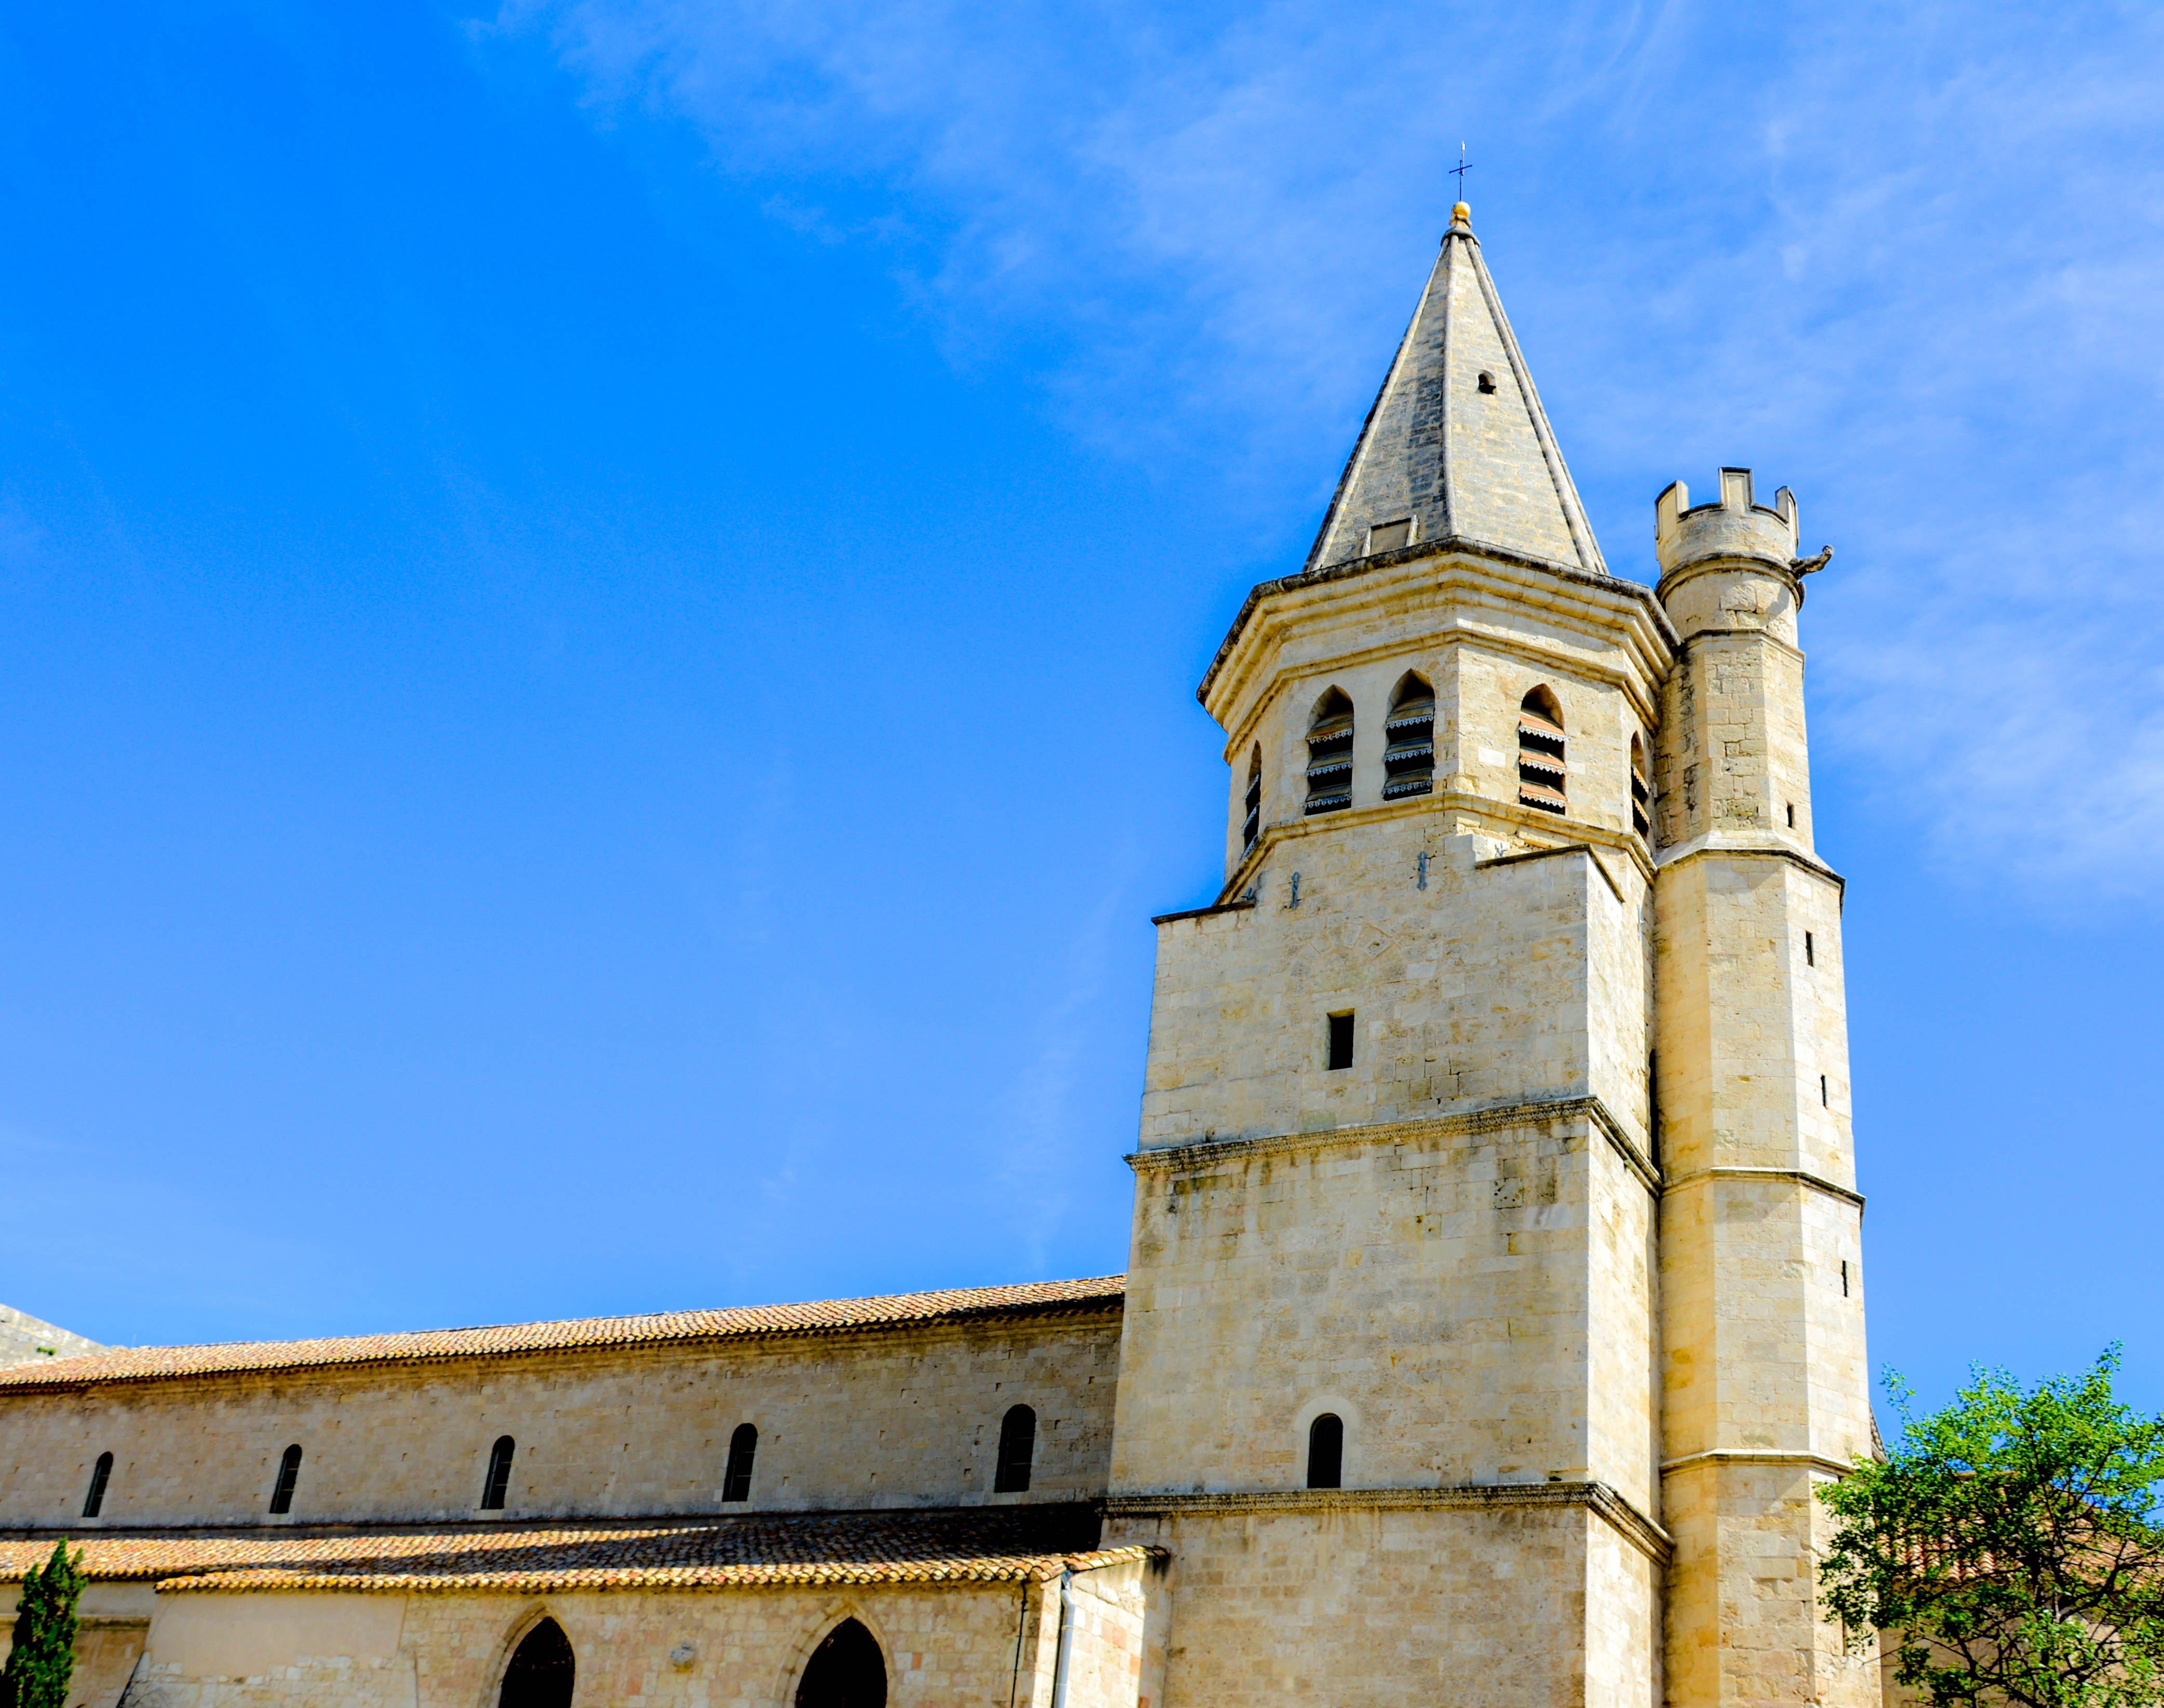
(1461, 215)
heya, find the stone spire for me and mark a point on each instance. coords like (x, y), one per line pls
(1458, 443)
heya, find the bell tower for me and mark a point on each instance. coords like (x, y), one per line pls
(1388, 1391)
(1494, 1304)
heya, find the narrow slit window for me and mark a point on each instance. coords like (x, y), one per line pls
(1330, 754)
(1844, 1278)
(1540, 753)
(1641, 791)
(1824, 1102)
(1326, 1452)
(1017, 1447)
(1252, 825)
(1388, 536)
(1810, 950)
(1791, 815)
(498, 1482)
(289, 1478)
(1409, 738)
(1341, 1041)
(102, 1474)
(736, 1475)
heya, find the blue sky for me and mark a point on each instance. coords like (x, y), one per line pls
(599, 604)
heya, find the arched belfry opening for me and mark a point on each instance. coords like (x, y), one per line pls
(1641, 791)
(1541, 775)
(847, 1670)
(1251, 825)
(542, 1669)
(1408, 756)
(1330, 754)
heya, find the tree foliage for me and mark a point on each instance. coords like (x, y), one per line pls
(43, 1659)
(2008, 1548)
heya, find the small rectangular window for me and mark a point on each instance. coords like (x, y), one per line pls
(1810, 951)
(1341, 1041)
(1388, 536)
(1791, 815)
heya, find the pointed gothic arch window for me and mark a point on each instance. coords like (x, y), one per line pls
(94, 1502)
(1330, 754)
(736, 1476)
(847, 1670)
(1409, 732)
(1326, 1452)
(1641, 791)
(289, 1479)
(1541, 752)
(497, 1483)
(1017, 1447)
(1252, 825)
(542, 1669)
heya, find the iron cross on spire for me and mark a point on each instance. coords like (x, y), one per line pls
(1459, 171)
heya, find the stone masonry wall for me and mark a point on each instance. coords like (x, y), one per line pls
(1471, 985)
(1492, 1608)
(885, 1419)
(959, 1645)
(1437, 1288)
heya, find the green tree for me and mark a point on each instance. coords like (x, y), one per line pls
(2008, 1548)
(43, 1659)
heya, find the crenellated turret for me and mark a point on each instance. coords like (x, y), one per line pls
(1761, 1308)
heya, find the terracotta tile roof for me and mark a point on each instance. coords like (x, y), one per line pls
(151, 1363)
(951, 1545)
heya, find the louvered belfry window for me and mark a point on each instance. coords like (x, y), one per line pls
(1409, 755)
(1330, 754)
(1251, 826)
(1641, 792)
(1540, 753)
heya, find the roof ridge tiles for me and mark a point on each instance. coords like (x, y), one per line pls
(572, 1334)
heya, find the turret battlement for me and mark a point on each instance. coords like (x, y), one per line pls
(1733, 527)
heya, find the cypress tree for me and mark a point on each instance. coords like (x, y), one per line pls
(43, 1659)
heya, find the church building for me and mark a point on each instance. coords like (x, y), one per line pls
(1494, 1305)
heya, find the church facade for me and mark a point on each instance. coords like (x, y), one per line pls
(1495, 1300)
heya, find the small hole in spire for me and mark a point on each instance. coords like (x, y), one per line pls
(1487, 382)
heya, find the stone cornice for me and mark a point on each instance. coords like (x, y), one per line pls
(1790, 1177)
(1216, 1152)
(1643, 697)
(1634, 1526)
(1706, 847)
(1754, 1456)
(1542, 853)
(1583, 833)
(1443, 546)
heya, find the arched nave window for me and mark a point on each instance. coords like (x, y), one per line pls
(1326, 1452)
(1017, 1447)
(1330, 754)
(94, 1502)
(735, 1478)
(289, 1478)
(1409, 758)
(542, 1671)
(498, 1482)
(847, 1670)
(1540, 752)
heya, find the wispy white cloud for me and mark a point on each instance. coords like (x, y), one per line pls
(1910, 259)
